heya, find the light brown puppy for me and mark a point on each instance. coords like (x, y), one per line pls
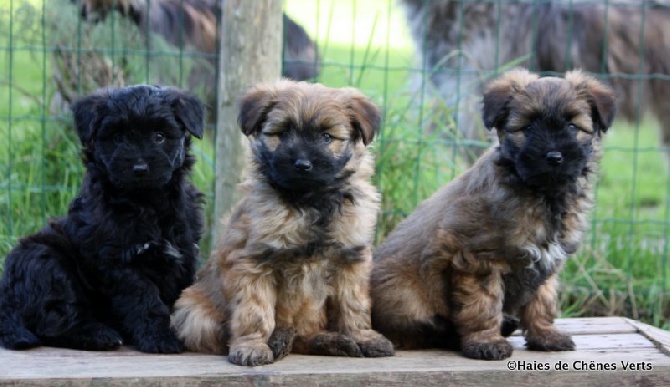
(292, 266)
(492, 242)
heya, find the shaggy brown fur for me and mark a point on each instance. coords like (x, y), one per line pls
(292, 266)
(492, 242)
(620, 39)
(194, 22)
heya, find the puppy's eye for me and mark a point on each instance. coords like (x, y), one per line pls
(159, 137)
(327, 138)
(572, 127)
(283, 134)
(118, 138)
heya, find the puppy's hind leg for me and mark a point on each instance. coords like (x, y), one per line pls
(333, 344)
(13, 335)
(44, 301)
(200, 323)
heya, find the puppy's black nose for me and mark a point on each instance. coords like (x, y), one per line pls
(140, 168)
(303, 165)
(554, 158)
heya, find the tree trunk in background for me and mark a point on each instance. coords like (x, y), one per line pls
(251, 50)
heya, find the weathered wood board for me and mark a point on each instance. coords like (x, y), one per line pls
(612, 351)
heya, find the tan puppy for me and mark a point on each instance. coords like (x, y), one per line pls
(292, 266)
(492, 242)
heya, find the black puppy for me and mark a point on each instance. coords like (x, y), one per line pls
(110, 271)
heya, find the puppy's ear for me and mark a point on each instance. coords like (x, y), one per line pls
(499, 93)
(254, 109)
(365, 116)
(86, 112)
(188, 110)
(601, 98)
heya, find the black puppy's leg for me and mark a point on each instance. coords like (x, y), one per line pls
(86, 336)
(144, 318)
(13, 335)
(44, 301)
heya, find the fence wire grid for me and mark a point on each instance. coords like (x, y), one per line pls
(422, 61)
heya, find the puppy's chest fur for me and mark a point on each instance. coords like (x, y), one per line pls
(136, 235)
(523, 274)
(304, 250)
(533, 250)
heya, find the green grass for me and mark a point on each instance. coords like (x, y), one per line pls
(621, 269)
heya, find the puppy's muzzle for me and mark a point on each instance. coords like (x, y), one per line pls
(554, 158)
(302, 165)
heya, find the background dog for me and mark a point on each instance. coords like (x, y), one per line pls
(461, 43)
(113, 267)
(493, 241)
(194, 22)
(292, 266)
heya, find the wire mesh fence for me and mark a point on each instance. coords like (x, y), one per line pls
(423, 61)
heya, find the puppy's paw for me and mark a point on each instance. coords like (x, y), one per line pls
(87, 336)
(334, 344)
(20, 339)
(250, 355)
(281, 342)
(373, 344)
(555, 341)
(160, 341)
(99, 337)
(493, 350)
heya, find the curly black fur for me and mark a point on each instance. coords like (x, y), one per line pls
(109, 272)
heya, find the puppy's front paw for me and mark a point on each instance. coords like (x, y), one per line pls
(163, 341)
(250, 355)
(334, 344)
(492, 350)
(281, 342)
(555, 341)
(373, 344)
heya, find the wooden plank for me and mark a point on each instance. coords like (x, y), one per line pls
(659, 337)
(61, 363)
(593, 325)
(599, 360)
(613, 342)
(387, 379)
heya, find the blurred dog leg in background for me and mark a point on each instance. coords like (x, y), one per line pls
(463, 44)
(194, 22)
